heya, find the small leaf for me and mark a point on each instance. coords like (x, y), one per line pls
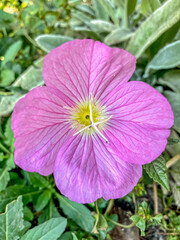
(4, 178)
(140, 223)
(32, 77)
(11, 193)
(103, 26)
(49, 41)
(117, 36)
(157, 171)
(49, 230)
(174, 100)
(172, 80)
(49, 212)
(149, 6)
(11, 52)
(79, 213)
(99, 10)
(7, 77)
(11, 221)
(167, 57)
(7, 103)
(154, 26)
(43, 200)
(28, 215)
(131, 6)
(37, 180)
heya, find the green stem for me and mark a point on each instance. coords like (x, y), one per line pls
(4, 149)
(97, 209)
(134, 201)
(122, 225)
(109, 207)
(126, 14)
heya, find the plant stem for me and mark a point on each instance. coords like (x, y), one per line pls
(155, 198)
(172, 161)
(4, 149)
(109, 207)
(122, 225)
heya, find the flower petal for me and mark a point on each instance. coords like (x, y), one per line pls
(40, 126)
(80, 67)
(84, 170)
(140, 124)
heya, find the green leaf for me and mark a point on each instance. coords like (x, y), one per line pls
(109, 7)
(11, 193)
(174, 100)
(7, 77)
(7, 103)
(159, 22)
(66, 236)
(172, 80)
(131, 6)
(157, 171)
(11, 222)
(5, 18)
(28, 215)
(103, 26)
(4, 178)
(11, 52)
(49, 230)
(49, 212)
(9, 134)
(37, 180)
(43, 200)
(32, 77)
(77, 212)
(149, 6)
(47, 42)
(167, 57)
(99, 10)
(140, 223)
(117, 36)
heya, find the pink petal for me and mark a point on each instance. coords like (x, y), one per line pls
(140, 124)
(40, 127)
(80, 67)
(85, 170)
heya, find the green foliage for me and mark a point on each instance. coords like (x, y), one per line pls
(157, 171)
(28, 31)
(77, 212)
(11, 221)
(49, 230)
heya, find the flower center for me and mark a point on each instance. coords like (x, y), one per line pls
(89, 117)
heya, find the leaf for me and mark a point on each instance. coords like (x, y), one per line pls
(5, 18)
(28, 215)
(43, 200)
(49, 230)
(49, 41)
(9, 134)
(174, 100)
(11, 193)
(37, 180)
(99, 10)
(11, 222)
(131, 6)
(32, 77)
(11, 52)
(167, 57)
(154, 26)
(103, 26)
(49, 212)
(7, 103)
(157, 171)
(77, 212)
(66, 236)
(149, 6)
(4, 178)
(140, 223)
(109, 7)
(117, 36)
(7, 77)
(172, 80)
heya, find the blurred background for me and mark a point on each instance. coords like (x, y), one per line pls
(30, 205)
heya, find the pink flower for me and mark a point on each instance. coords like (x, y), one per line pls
(88, 125)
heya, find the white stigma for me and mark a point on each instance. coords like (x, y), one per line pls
(92, 122)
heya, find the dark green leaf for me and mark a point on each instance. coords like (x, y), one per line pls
(77, 212)
(157, 171)
(43, 200)
(49, 230)
(11, 222)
